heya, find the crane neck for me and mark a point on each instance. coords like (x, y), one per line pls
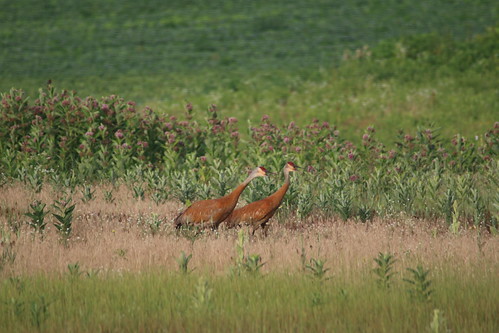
(234, 195)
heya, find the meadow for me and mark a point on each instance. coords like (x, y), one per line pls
(110, 129)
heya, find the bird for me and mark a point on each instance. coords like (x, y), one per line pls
(258, 213)
(213, 211)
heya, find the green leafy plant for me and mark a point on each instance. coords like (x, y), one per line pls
(384, 270)
(202, 296)
(37, 216)
(183, 263)
(87, 193)
(74, 270)
(64, 223)
(419, 284)
(438, 323)
(39, 311)
(316, 269)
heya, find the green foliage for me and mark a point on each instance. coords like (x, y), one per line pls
(64, 223)
(202, 296)
(74, 270)
(8, 255)
(438, 323)
(419, 284)
(245, 263)
(384, 270)
(161, 299)
(183, 263)
(317, 269)
(37, 216)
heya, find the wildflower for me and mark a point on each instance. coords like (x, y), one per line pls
(297, 149)
(365, 137)
(82, 146)
(392, 153)
(169, 126)
(173, 118)
(89, 133)
(143, 144)
(286, 139)
(102, 127)
(310, 168)
(65, 102)
(119, 134)
(184, 123)
(235, 134)
(371, 129)
(351, 156)
(105, 107)
(203, 159)
(265, 117)
(291, 125)
(232, 120)
(126, 146)
(189, 107)
(354, 178)
(408, 138)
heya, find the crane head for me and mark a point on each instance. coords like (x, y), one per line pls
(291, 166)
(262, 171)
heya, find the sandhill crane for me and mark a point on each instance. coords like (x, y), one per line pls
(258, 213)
(212, 212)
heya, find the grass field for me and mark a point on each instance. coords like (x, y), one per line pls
(120, 273)
(256, 58)
(390, 226)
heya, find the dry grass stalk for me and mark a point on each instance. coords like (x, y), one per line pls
(115, 237)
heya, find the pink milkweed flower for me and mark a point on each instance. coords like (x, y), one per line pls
(143, 144)
(119, 134)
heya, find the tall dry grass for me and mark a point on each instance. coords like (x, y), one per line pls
(117, 237)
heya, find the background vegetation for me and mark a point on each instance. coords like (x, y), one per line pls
(390, 107)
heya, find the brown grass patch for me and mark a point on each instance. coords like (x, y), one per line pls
(117, 237)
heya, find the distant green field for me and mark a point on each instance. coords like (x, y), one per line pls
(255, 58)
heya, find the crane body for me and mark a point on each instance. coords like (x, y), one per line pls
(258, 213)
(213, 211)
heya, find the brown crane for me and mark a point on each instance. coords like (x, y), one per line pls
(212, 212)
(258, 213)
